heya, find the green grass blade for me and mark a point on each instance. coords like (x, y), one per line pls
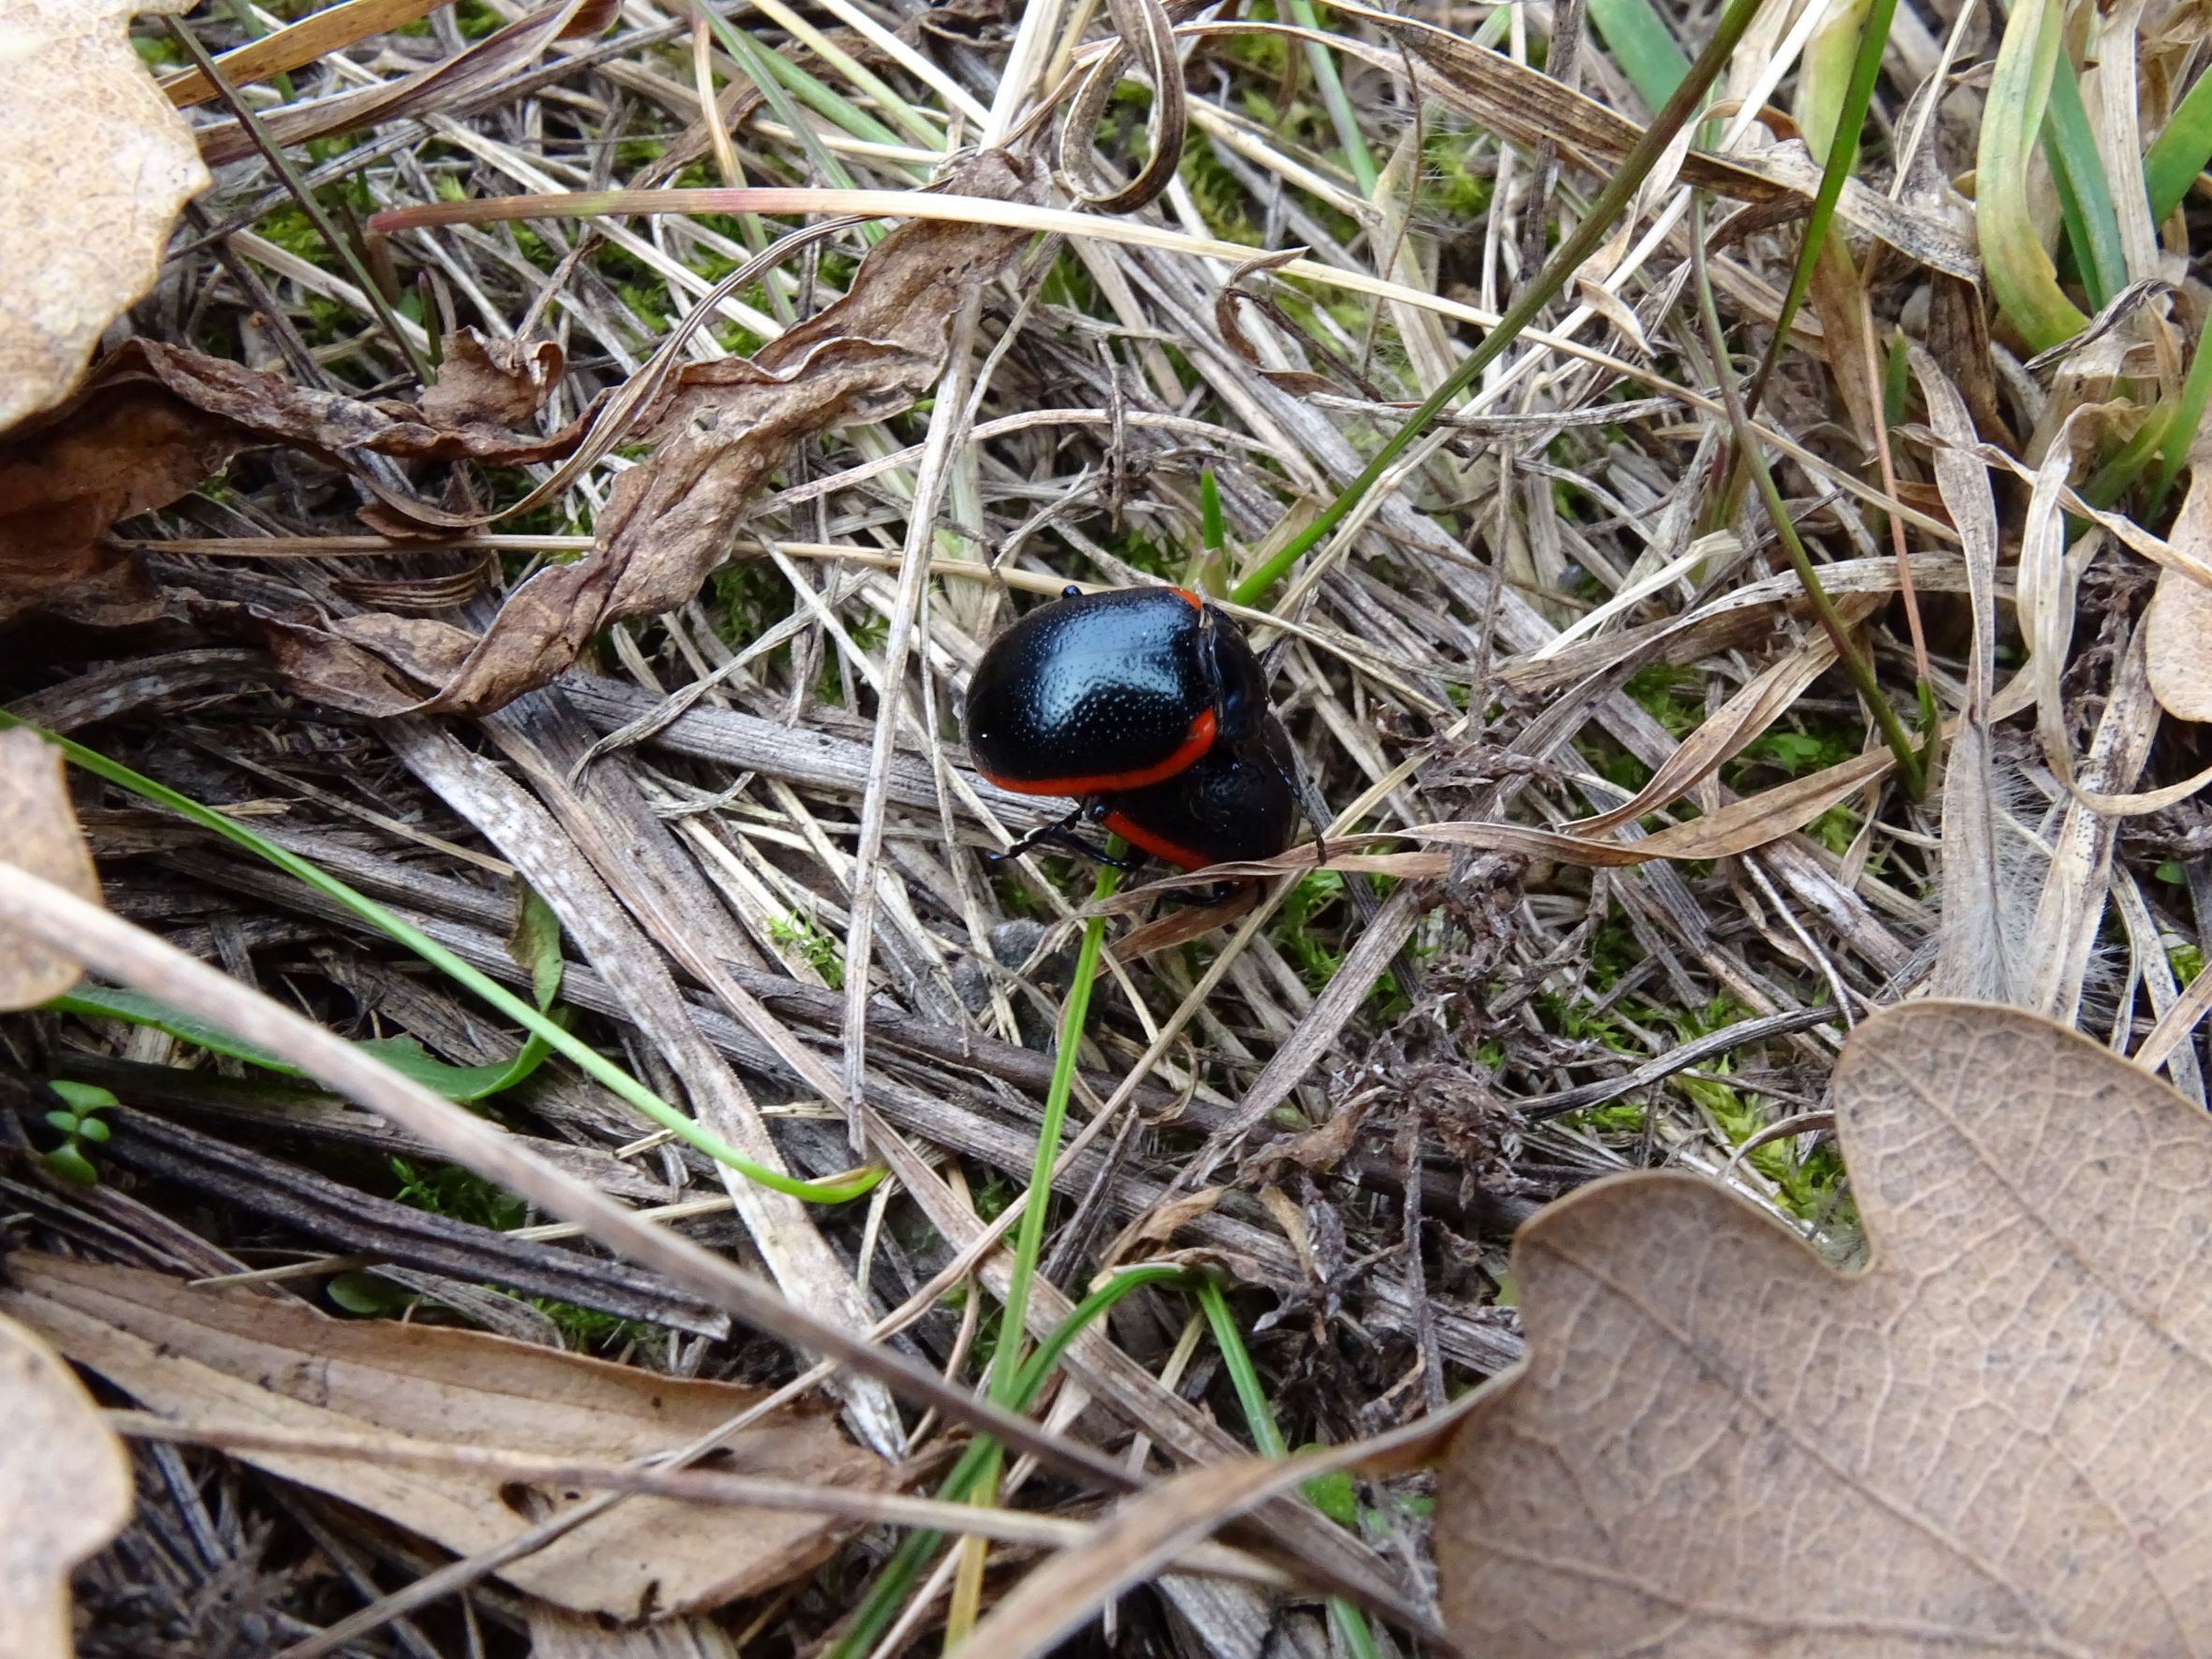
(1843, 156)
(557, 1037)
(2179, 154)
(1642, 46)
(2085, 201)
(2021, 275)
(1334, 99)
(2180, 434)
(1259, 1420)
(403, 1054)
(1006, 1375)
(896, 1580)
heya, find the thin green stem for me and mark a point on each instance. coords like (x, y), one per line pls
(1029, 1237)
(981, 1457)
(1259, 1420)
(1684, 103)
(400, 932)
(1851, 119)
(1341, 116)
(1911, 767)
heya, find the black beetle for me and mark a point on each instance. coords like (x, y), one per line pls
(1100, 692)
(1147, 704)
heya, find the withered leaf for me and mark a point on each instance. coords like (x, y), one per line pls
(152, 421)
(725, 426)
(65, 1490)
(94, 167)
(499, 384)
(2178, 637)
(1989, 1441)
(219, 1359)
(39, 833)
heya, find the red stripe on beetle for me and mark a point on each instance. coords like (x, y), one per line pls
(1195, 742)
(1158, 846)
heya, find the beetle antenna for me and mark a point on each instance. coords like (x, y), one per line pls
(1309, 802)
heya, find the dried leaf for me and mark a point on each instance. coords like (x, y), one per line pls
(229, 1359)
(2180, 634)
(152, 421)
(498, 383)
(2180, 624)
(65, 1490)
(94, 167)
(1157, 1225)
(725, 425)
(1986, 907)
(1986, 1442)
(39, 833)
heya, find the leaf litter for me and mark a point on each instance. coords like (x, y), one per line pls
(634, 595)
(211, 1360)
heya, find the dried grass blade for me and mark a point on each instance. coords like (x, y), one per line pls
(132, 956)
(332, 29)
(1982, 914)
(466, 75)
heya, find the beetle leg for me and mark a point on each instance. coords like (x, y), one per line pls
(1061, 833)
(1043, 832)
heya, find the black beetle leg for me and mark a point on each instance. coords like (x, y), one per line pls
(1043, 832)
(1061, 833)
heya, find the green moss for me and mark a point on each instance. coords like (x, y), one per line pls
(588, 1329)
(1448, 188)
(1675, 697)
(459, 1193)
(1294, 933)
(478, 20)
(819, 949)
(1222, 200)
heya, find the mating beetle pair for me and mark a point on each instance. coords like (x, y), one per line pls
(1148, 706)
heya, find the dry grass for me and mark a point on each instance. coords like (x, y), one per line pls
(1520, 625)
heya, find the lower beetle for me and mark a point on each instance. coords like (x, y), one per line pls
(1236, 803)
(1100, 693)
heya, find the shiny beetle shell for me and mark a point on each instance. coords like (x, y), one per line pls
(1100, 692)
